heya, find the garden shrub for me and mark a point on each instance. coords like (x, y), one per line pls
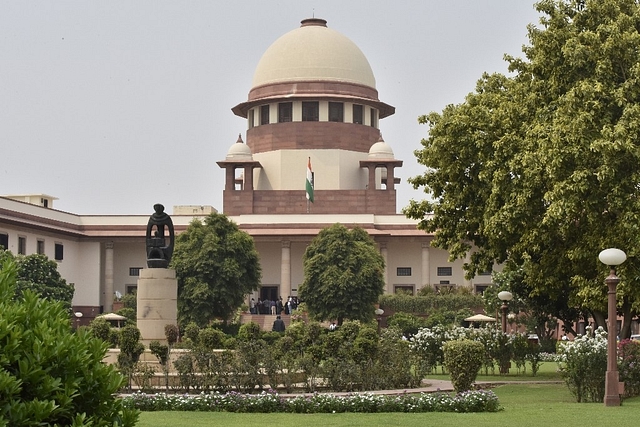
(211, 338)
(130, 314)
(429, 303)
(269, 402)
(408, 323)
(191, 332)
(247, 373)
(100, 328)
(130, 350)
(629, 367)
(171, 333)
(161, 352)
(583, 365)
(463, 359)
(249, 332)
(48, 374)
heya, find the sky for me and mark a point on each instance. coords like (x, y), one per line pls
(113, 106)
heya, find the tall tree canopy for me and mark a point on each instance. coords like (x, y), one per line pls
(541, 170)
(216, 265)
(39, 274)
(343, 275)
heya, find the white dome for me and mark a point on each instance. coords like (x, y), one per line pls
(313, 52)
(381, 150)
(239, 151)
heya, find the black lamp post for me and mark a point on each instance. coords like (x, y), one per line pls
(612, 257)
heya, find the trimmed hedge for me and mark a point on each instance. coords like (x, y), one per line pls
(427, 304)
(268, 402)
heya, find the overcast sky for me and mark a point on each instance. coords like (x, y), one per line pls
(113, 106)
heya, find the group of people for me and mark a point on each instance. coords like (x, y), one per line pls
(276, 307)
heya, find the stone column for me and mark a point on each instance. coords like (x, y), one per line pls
(391, 183)
(384, 253)
(285, 270)
(426, 267)
(248, 178)
(108, 277)
(372, 177)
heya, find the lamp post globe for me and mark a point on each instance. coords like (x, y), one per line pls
(504, 296)
(612, 257)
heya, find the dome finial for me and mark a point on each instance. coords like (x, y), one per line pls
(240, 141)
(313, 22)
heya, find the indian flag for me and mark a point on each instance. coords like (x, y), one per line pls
(309, 184)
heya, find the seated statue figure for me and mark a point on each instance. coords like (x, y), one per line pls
(159, 251)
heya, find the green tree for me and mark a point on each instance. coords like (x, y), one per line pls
(216, 265)
(40, 274)
(50, 375)
(344, 275)
(540, 171)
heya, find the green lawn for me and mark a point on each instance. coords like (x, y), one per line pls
(548, 371)
(524, 405)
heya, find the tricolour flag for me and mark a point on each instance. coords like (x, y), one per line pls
(309, 184)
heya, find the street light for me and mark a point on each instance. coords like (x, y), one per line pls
(612, 257)
(78, 315)
(379, 312)
(504, 296)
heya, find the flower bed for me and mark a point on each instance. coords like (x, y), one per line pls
(470, 401)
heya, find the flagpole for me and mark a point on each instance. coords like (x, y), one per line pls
(309, 185)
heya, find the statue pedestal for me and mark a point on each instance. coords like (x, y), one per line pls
(157, 303)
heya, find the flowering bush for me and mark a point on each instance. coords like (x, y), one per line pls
(629, 366)
(583, 364)
(266, 402)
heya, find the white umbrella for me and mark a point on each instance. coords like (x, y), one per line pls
(113, 316)
(480, 318)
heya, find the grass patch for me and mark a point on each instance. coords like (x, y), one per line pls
(524, 405)
(548, 372)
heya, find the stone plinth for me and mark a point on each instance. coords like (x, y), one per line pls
(157, 303)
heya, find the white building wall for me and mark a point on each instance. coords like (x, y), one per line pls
(84, 271)
(127, 255)
(270, 259)
(333, 170)
(404, 253)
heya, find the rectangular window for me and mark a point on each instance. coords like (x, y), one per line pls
(485, 273)
(264, 115)
(357, 114)
(336, 112)
(4, 240)
(310, 111)
(444, 271)
(403, 271)
(59, 252)
(40, 247)
(131, 289)
(134, 271)
(481, 288)
(285, 112)
(22, 245)
(374, 118)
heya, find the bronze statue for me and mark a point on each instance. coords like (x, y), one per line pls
(158, 251)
